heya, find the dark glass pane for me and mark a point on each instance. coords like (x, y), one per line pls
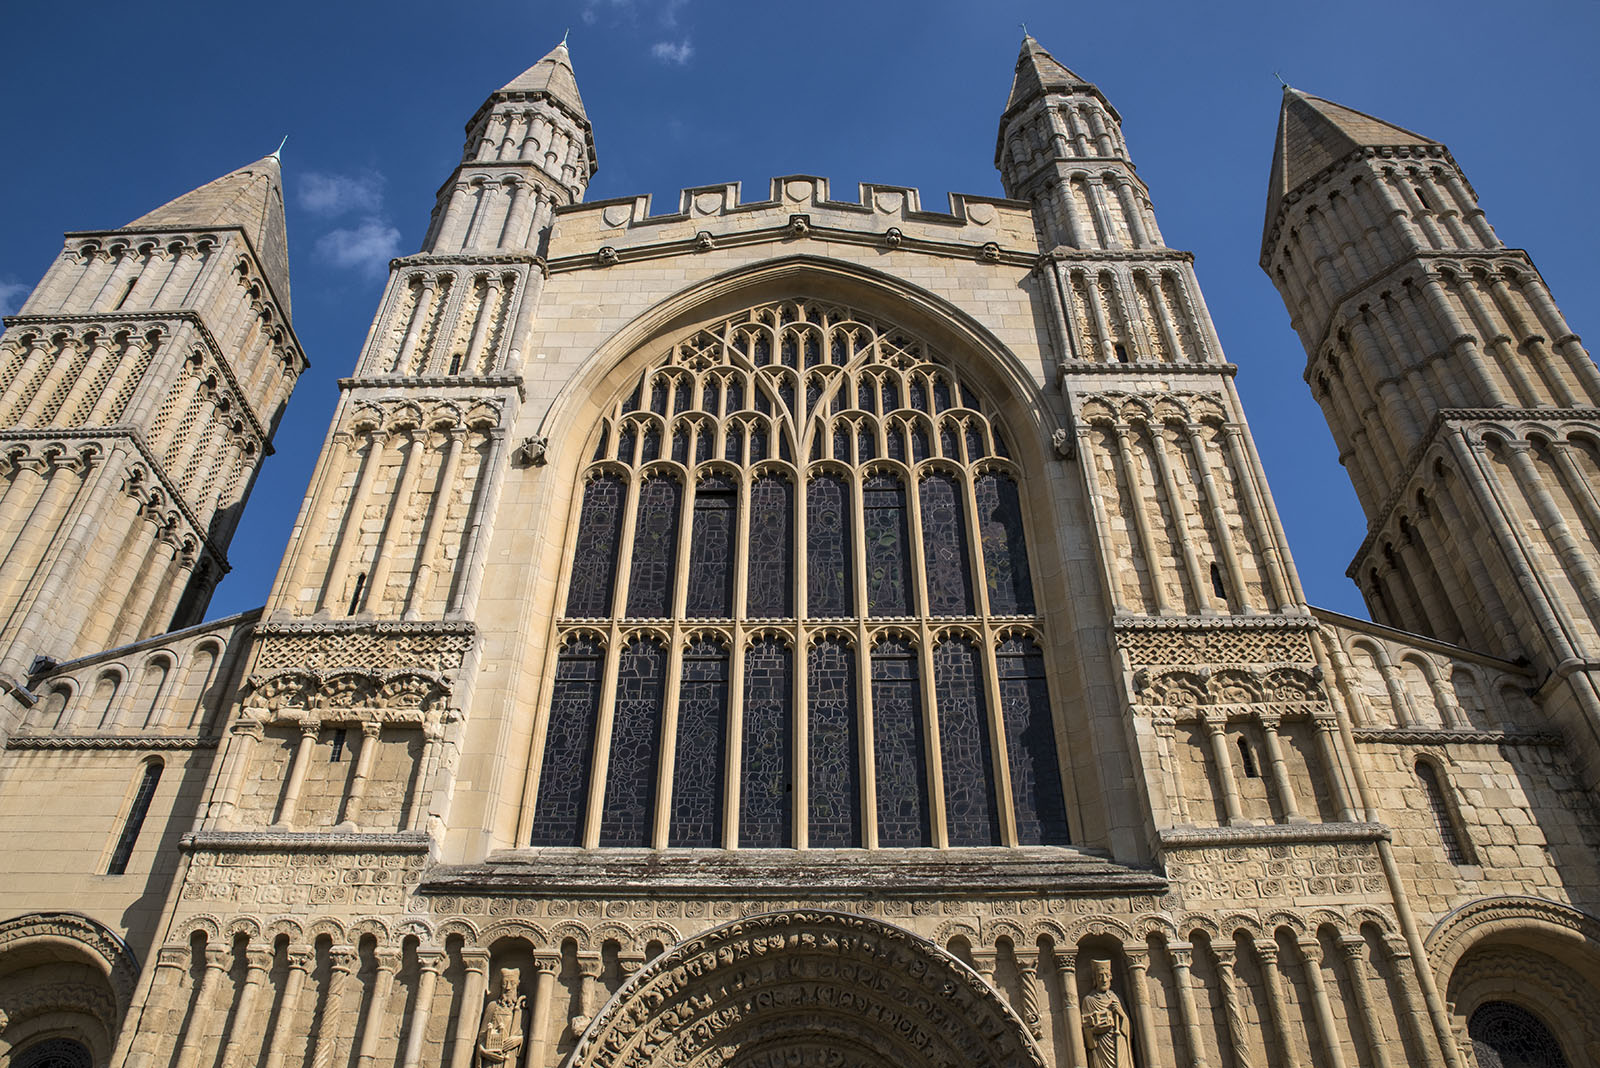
(828, 547)
(705, 438)
(594, 558)
(841, 350)
(568, 746)
(898, 746)
(919, 444)
(788, 351)
(971, 818)
(999, 442)
(763, 402)
(1005, 551)
(697, 767)
(770, 587)
(135, 821)
(625, 442)
(758, 443)
(975, 449)
(919, 395)
(629, 811)
(895, 438)
(786, 394)
(733, 443)
(682, 395)
(813, 349)
(600, 447)
(864, 393)
(944, 547)
(969, 399)
(733, 398)
(841, 443)
(1035, 771)
(655, 549)
(814, 386)
(834, 820)
(949, 440)
(651, 449)
(887, 555)
(711, 548)
(866, 444)
(658, 395)
(632, 403)
(680, 443)
(767, 804)
(941, 394)
(762, 353)
(1505, 1035)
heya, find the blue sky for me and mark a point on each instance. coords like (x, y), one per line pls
(112, 109)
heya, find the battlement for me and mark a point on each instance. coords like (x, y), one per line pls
(718, 209)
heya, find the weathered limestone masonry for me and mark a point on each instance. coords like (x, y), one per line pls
(818, 631)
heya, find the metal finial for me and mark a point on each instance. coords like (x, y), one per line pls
(1281, 82)
(565, 35)
(277, 153)
(1025, 33)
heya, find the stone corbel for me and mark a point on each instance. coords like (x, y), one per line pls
(532, 452)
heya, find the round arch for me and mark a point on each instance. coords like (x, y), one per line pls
(64, 978)
(806, 987)
(1539, 956)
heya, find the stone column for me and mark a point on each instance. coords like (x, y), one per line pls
(155, 1023)
(34, 414)
(300, 958)
(347, 538)
(1198, 584)
(483, 326)
(1141, 520)
(438, 513)
(1311, 949)
(1574, 555)
(244, 734)
(427, 290)
(416, 800)
(1238, 1040)
(1216, 731)
(1143, 1018)
(1267, 954)
(411, 462)
(474, 981)
(378, 1008)
(301, 762)
(429, 964)
(545, 971)
(193, 1041)
(1219, 520)
(370, 731)
(588, 980)
(1327, 730)
(258, 962)
(1072, 1016)
(1180, 955)
(342, 961)
(1412, 1007)
(1353, 948)
(1280, 773)
(491, 475)
(1268, 534)
(1028, 980)
(79, 389)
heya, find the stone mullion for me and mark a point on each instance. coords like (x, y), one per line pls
(325, 1040)
(1179, 956)
(299, 959)
(1071, 1017)
(594, 807)
(348, 535)
(298, 765)
(194, 1039)
(1569, 550)
(429, 964)
(1141, 520)
(1277, 1010)
(258, 962)
(1322, 1008)
(733, 762)
(1269, 531)
(399, 507)
(438, 515)
(1182, 534)
(468, 1012)
(933, 749)
(866, 764)
(1000, 764)
(1097, 497)
(387, 964)
(1282, 785)
(667, 753)
(355, 794)
(1506, 356)
(799, 657)
(1219, 519)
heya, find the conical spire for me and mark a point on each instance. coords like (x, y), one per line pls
(552, 76)
(250, 198)
(1037, 72)
(1314, 133)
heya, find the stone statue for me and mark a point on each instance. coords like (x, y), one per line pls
(1105, 1023)
(500, 1037)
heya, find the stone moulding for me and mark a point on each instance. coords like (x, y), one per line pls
(1271, 834)
(309, 841)
(412, 382)
(1402, 736)
(107, 741)
(770, 873)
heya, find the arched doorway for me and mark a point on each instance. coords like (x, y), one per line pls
(806, 988)
(65, 985)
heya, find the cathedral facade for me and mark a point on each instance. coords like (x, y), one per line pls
(803, 631)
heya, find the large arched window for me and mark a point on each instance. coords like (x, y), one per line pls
(799, 610)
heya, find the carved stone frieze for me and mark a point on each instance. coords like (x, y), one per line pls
(1295, 872)
(422, 647)
(348, 695)
(1238, 640)
(287, 876)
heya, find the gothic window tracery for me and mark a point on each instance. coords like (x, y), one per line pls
(819, 519)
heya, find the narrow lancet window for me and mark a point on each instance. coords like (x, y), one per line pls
(834, 819)
(137, 811)
(900, 771)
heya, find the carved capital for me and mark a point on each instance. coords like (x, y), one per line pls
(343, 960)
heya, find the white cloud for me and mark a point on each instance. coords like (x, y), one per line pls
(366, 247)
(12, 294)
(330, 195)
(669, 12)
(677, 52)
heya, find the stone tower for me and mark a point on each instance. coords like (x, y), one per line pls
(1463, 406)
(139, 389)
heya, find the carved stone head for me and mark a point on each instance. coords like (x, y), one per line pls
(1102, 974)
(510, 983)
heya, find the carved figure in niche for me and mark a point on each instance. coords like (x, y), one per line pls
(1105, 1023)
(500, 1038)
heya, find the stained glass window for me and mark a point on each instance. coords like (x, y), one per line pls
(568, 745)
(834, 819)
(629, 811)
(887, 553)
(971, 818)
(1005, 552)
(594, 562)
(944, 546)
(1031, 745)
(696, 817)
(766, 803)
(769, 590)
(1443, 819)
(655, 549)
(898, 746)
(863, 408)
(828, 584)
(711, 548)
(1505, 1035)
(134, 822)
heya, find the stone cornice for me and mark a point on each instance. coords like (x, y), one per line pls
(281, 627)
(1412, 736)
(922, 873)
(467, 259)
(1385, 632)
(1145, 367)
(1275, 621)
(609, 256)
(1064, 254)
(108, 741)
(309, 841)
(1385, 512)
(136, 436)
(191, 317)
(389, 382)
(1271, 834)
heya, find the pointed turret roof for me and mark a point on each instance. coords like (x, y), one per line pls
(1314, 133)
(551, 75)
(1037, 72)
(250, 198)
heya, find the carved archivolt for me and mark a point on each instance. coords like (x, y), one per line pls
(105, 949)
(788, 985)
(402, 690)
(1488, 918)
(1285, 688)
